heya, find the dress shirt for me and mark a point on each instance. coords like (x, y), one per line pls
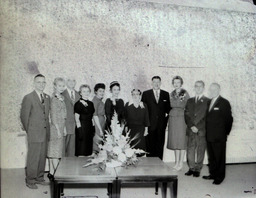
(213, 102)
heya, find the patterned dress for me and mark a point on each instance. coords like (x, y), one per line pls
(177, 126)
(58, 117)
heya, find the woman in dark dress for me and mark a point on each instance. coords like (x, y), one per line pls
(114, 104)
(84, 111)
(136, 113)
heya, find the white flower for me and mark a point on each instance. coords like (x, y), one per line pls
(113, 164)
(122, 157)
(109, 147)
(117, 150)
(129, 152)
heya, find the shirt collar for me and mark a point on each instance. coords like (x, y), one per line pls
(39, 94)
(199, 96)
(215, 98)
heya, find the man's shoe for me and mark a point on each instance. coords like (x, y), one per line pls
(196, 174)
(189, 173)
(217, 182)
(43, 183)
(32, 186)
(208, 177)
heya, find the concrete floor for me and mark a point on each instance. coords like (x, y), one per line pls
(239, 178)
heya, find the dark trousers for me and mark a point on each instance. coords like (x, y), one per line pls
(69, 145)
(155, 140)
(36, 159)
(195, 152)
(217, 159)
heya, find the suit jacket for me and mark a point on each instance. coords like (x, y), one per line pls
(219, 121)
(195, 115)
(35, 117)
(70, 121)
(157, 111)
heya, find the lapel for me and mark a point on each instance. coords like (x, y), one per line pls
(200, 101)
(77, 96)
(215, 103)
(67, 96)
(36, 97)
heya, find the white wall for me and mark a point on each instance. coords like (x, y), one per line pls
(102, 41)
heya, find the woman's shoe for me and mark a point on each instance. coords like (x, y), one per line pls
(50, 176)
(180, 166)
(176, 166)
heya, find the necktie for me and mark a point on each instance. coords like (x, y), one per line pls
(42, 98)
(197, 99)
(157, 96)
(72, 96)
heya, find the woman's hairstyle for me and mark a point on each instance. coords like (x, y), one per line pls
(99, 86)
(58, 79)
(134, 90)
(114, 83)
(82, 87)
(177, 78)
(156, 77)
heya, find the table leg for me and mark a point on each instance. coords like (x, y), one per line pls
(61, 189)
(156, 188)
(164, 189)
(175, 188)
(116, 188)
(56, 190)
(110, 187)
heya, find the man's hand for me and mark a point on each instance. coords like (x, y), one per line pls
(65, 131)
(78, 124)
(194, 129)
(146, 132)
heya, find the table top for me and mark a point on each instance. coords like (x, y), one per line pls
(147, 168)
(71, 170)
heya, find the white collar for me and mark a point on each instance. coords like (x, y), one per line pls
(199, 96)
(132, 103)
(215, 98)
(39, 94)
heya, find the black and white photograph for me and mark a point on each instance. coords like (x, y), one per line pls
(127, 99)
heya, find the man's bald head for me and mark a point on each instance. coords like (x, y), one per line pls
(214, 90)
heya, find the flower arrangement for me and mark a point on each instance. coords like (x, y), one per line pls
(115, 149)
(181, 95)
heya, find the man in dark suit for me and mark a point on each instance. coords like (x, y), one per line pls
(218, 126)
(71, 97)
(34, 116)
(158, 102)
(195, 113)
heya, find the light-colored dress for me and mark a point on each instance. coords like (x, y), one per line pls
(177, 127)
(58, 116)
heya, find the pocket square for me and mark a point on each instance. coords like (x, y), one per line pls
(216, 108)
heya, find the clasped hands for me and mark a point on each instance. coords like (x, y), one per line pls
(194, 129)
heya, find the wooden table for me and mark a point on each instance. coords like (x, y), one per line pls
(148, 170)
(71, 171)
